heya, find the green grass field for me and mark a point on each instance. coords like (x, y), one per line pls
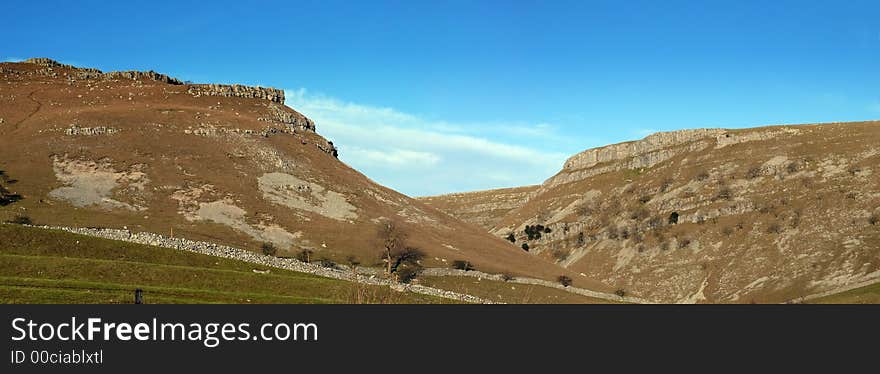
(508, 292)
(865, 295)
(49, 266)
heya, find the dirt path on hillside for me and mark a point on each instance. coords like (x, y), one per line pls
(30, 97)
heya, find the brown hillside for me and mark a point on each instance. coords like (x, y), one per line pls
(229, 164)
(767, 214)
(482, 208)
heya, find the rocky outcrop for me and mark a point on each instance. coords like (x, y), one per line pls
(141, 75)
(616, 152)
(654, 149)
(292, 119)
(236, 90)
(46, 62)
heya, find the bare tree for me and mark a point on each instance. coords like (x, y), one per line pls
(392, 241)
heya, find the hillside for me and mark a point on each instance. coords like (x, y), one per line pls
(767, 214)
(222, 163)
(481, 208)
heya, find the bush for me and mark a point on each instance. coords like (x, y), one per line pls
(534, 232)
(408, 274)
(702, 175)
(620, 292)
(511, 238)
(462, 265)
(21, 220)
(645, 199)
(507, 277)
(565, 281)
(327, 263)
(873, 219)
(525, 247)
(268, 249)
(727, 231)
(305, 255)
(673, 218)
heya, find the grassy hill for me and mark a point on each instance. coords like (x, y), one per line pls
(864, 295)
(46, 266)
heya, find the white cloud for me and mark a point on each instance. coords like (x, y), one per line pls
(419, 157)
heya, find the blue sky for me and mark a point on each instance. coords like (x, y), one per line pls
(431, 97)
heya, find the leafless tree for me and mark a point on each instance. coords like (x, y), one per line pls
(392, 241)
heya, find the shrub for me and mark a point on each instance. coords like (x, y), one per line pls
(268, 249)
(327, 263)
(21, 220)
(511, 238)
(702, 175)
(673, 218)
(774, 228)
(564, 280)
(534, 232)
(873, 219)
(645, 199)
(305, 255)
(408, 274)
(462, 265)
(525, 247)
(792, 168)
(620, 292)
(727, 231)
(507, 277)
(581, 240)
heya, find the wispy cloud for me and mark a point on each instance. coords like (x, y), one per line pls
(13, 59)
(418, 156)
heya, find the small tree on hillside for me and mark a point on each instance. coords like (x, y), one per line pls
(305, 255)
(268, 249)
(392, 241)
(462, 265)
(564, 280)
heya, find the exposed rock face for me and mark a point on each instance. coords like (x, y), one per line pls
(278, 114)
(236, 90)
(711, 215)
(90, 73)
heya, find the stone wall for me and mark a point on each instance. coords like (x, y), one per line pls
(219, 250)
